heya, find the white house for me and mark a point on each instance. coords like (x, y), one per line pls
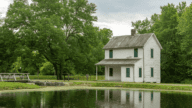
(132, 58)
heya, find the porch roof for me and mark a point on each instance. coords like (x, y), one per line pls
(117, 61)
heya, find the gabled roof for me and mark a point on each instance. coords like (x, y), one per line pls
(117, 62)
(128, 41)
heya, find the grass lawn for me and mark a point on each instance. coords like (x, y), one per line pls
(16, 85)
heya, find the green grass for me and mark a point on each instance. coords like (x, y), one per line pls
(77, 83)
(131, 85)
(52, 77)
(43, 77)
(15, 85)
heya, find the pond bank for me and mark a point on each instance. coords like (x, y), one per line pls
(102, 85)
(59, 88)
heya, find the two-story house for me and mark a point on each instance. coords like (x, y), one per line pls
(132, 58)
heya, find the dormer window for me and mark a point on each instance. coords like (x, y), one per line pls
(110, 53)
(136, 52)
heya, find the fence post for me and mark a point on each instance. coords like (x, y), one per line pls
(28, 77)
(14, 77)
(87, 75)
(1, 77)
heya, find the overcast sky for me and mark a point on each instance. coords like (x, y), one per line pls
(118, 14)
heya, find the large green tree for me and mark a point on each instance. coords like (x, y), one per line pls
(173, 62)
(184, 29)
(60, 30)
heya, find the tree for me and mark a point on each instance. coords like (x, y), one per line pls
(53, 29)
(47, 69)
(164, 27)
(96, 53)
(31, 61)
(7, 49)
(184, 29)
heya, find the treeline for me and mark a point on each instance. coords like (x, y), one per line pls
(51, 37)
(173, 28)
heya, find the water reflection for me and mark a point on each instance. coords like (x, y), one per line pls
(131, 99)
(95, 99)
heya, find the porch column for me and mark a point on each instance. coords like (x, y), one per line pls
(108, 72)
(96, 72)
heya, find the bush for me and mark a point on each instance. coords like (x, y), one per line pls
(186, 81)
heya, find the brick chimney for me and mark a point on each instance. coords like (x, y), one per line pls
(133, 32)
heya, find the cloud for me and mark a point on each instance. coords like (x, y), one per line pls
(119, 23)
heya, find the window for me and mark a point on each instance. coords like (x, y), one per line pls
(136, 52)
(151, 53)
(140, 96)
(127, 72)
(151, 72)
(110, 53)
(140, 72)
(151, 96)
(111, 72)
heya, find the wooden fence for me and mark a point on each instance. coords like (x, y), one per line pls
(13, 76)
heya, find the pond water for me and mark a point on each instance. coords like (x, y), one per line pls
(95, 99)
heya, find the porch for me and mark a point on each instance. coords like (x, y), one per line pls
(116, 69)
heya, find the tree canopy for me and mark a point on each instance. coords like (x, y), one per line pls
(170, 27)
(53, 36)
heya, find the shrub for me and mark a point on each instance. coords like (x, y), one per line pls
(186, 81)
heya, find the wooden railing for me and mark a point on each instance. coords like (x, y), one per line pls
(13, 76)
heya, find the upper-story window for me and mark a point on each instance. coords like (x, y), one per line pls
(151, 53)
(136, 52)
(110, 53)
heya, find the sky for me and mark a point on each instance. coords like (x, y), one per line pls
(117, 15)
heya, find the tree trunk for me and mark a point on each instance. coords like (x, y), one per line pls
(56, 70)
(58, 74)
(61, 72)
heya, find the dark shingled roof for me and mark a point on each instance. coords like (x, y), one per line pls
(117, 62)
(128, 41)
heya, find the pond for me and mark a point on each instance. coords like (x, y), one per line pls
(95, 99)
